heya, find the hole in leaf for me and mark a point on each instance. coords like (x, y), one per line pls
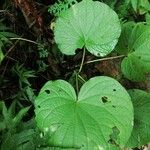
(113, 106)
(104, 99)
(98, 54)
(39, 106)
(47, 91)
(73, 3)
(114, 90)
(111, 142)
(114, 136)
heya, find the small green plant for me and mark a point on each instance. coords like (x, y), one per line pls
(43, 53)
(61, 6)
(10, 121)
(5, 34)
(23, 75)
(16, 133)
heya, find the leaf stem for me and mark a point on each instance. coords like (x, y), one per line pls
(78, 73)
(22, 39)
(2, 11)
(80, 77)
(77, 83)
(82, 62)
(103, 59)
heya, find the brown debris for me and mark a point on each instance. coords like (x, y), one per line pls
(109, 68)
(31, 14)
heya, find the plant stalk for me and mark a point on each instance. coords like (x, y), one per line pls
(22, 39)
(82, 62)
(103, 59)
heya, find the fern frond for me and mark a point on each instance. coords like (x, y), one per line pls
(61, 6)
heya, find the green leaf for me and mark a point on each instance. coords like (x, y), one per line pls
(8, 34)
(132, 69)
(3, 27)
(147, 17)
(1, 55)
(144, 6)
(60, 6)
(4, 38)
(141, 130)
(7, 116)
(23, 138)
(122, 46)
(141, 6)
(19, 141)
(20, 115)
(81, 26)
(8, 143)
(136, 66)
(134, 4)
(101, 117)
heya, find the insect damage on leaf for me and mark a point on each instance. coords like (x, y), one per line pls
(76, 114)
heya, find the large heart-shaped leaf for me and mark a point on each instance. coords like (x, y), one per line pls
(141, 131)
(91, 24)
(101, 117)
(136, 66)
